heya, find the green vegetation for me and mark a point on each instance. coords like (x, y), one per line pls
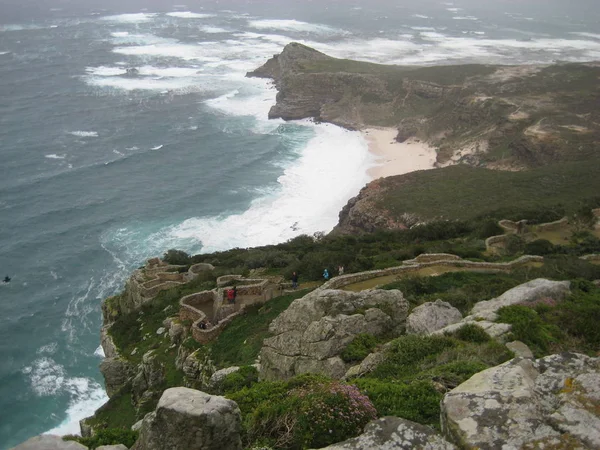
(467, 193)
(305, 412)
(241, 341)
(359, 348)
(109, 436)
(461, 289)
(550, 327)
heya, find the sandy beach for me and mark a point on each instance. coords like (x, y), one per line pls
(395, 158)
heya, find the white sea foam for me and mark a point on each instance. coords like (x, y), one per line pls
(585, 34)
(4, 53)
(55, 156)
(454, 9)
(330, 169)
(292, 25)
(86, 396)
(158, 147)
(84, 133)
(421, 16)
(213, 30)
(131, 18)
(120, 34)
(189, 15)
(99, 352)
(465, 18)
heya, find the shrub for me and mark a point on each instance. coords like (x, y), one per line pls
(312, 415)
(527, 327)
(107, 436)
(417, 401)
(233, 382)
(406, 353)
(359, 348)
(177, 257)
(539, 247)
(471, 333)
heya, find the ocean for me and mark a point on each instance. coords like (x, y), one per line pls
(103, 166)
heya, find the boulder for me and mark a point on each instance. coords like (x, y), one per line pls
(518, 404)
(432, 316)
(112, 447)
(310, 335)
(49, 442)
(150, 376)
(186, 419)
(390, 433)
(527, 294)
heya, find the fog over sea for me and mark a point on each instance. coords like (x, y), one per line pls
(101, 169)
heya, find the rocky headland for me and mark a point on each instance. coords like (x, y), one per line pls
(511, 118)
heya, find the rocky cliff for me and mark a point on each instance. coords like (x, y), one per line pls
(509, 117)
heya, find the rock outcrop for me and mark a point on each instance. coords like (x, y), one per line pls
(49, 442)
(432, 316)
(552, 402)
(527, 294)
(310, 335)
(390, 433)
(186, 419)
(484, 313)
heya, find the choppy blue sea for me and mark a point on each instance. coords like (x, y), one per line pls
(101, 167)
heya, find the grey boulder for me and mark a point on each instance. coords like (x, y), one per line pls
(432, 316)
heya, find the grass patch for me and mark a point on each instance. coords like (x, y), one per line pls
(241, 341)
(461, 289)
(465, 193)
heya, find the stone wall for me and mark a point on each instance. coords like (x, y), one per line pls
(344, 280)
(553, 226)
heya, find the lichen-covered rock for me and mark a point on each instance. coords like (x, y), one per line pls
(498, 331)
(150, 376)
(49, 442)
(432, 316)
(112, 447)
(310, 335)
(116, 372)
(524, 402)
(390, 433)
(198, 368)
(525, 294)
(217, 377)
(186, 419)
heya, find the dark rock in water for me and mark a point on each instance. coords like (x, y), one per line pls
(132, 72)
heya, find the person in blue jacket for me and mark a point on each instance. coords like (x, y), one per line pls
(326, 274)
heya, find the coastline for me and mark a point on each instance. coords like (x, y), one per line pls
(396, 158)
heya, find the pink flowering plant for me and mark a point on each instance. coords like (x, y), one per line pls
(334, 412)
(314, 413)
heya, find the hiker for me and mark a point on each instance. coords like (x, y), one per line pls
(341, 270)
(202, 325)
(230, 296)
(295, 280)
(326, 274)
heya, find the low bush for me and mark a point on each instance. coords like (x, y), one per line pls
(107, 436)
(243, 378)
(417, 401)
(177, 257)
(359, 348)
(471, 333)
(539, 247)
(312, 413)
(528, 327)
